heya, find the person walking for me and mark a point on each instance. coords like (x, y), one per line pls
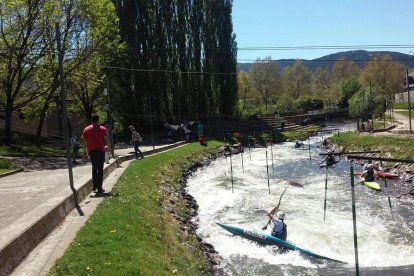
(74, 142)
(136, 139)
(94, 138)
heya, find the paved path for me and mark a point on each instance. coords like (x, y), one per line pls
(34, 201)
(404, 127)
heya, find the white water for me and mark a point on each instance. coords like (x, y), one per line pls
(383, 241)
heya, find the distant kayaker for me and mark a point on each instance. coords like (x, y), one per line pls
(298, 144)
(325, 143)
(279, 228)
(369, 174)
(329, 159)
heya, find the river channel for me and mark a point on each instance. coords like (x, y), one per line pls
(385, 235)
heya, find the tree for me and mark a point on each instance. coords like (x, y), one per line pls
(263, 74)
(384, 74)
(87, 38)
(182, 56)
(22, 44)
(349, 88)
(344, 69)
(308, 103)
(296, 80)
(322, 84)
(245, 88)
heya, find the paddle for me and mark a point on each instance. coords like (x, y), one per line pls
(405, 193)
(272, 212)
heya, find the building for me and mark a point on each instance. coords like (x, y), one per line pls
(402, 97)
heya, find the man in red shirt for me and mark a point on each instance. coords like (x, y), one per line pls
(94, 138)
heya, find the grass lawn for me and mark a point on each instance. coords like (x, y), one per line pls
(405, 113)
(6, 166)
(297, 134)
(31, 151)
(131, 233)
(391, 147)
(262, 138)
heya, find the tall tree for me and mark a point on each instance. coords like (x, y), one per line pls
(22, 45)
(296, 80)
(183, 56)
(263, 74)
(385, 75)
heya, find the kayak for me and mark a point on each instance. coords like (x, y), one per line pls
(265, 239)
(380, 174)
(328, 164)
(372, 185)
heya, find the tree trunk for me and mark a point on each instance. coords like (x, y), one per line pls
(8, 117)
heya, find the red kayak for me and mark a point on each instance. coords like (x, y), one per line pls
(380, 174)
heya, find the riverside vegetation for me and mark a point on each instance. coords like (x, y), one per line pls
(139, 229)
(390, 146)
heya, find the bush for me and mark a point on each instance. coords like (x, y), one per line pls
(308, 103)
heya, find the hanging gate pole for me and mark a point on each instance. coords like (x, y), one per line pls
(354, 220)
(268, 180)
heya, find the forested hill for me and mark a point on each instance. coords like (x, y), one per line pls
(360, 57)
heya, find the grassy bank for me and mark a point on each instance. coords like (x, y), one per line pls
(391, 147)
(31, 151)
(131, 233)
(278, 137)
(25, 151)
(6, 166)
(405, 113)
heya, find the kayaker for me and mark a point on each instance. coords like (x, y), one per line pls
(329, 159)
(298, 144)
(279, 228)
(325, 143)
(369, 174)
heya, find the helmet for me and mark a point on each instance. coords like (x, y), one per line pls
(370, 167)
(280, 215)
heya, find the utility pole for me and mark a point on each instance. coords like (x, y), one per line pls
(152, 127)
(409, 101)
(371, 104)
(64, 114)
(108, 115)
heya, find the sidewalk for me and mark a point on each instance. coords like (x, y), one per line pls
(404, 127)
(35, 201)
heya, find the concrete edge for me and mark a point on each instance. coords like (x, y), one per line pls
(11, 172)
(14, 252)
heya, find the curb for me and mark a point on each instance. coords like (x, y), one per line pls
(11, 172)
(12, 253)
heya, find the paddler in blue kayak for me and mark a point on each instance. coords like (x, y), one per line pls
(298, 144)
(279, 228)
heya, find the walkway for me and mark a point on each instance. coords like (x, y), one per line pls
(404, 127)
(35, 201)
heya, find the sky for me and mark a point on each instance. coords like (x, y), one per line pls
(300, 23)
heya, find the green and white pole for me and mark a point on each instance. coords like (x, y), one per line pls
(354, 220)
(231, 173)
(326, 190)
(267, 168)
(388, 195)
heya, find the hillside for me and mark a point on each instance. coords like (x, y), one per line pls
(359, 56)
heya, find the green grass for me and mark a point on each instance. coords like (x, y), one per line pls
(296, 134)
(130, 233)
(405, 113)
(31, 151)
(6, 166)
(392, 147)
(401, 105)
